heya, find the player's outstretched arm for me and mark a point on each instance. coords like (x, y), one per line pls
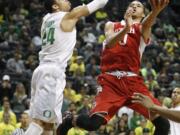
(75, 14)
(111, 37)
(157, 6)
(86, 10)
(148, 103)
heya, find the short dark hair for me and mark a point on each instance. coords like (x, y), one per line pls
(48, 5)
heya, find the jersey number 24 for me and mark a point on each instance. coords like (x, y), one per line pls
(48, 36)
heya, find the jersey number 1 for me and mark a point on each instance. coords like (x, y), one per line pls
(48, 36)
(124, 41)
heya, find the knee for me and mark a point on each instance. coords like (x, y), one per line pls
(161, 122)
(162, 126)
(89, 123)
(39, 122)
(48, 126)
(96, 122)
(94, 127)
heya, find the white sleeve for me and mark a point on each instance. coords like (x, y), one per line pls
(95, 5)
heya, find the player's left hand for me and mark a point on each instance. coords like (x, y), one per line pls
(143, 100)
(158, 5)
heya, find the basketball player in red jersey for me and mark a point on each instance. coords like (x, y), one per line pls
(120, 65)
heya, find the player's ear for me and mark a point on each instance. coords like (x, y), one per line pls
(55, 7)
(143, 15)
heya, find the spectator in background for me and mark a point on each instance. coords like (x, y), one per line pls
(74, 56)
(88, 36)
(147, 70)
(85, 107)
(151, 83)
(5, 126)
(78, 67)
(163, 80)
(88, 52)
(91, 67)
(7, 110)
(70, 94)
(23, 125)
(16, 64)
(130, 132)
(19, 99)
(17, 16)
(145, 127)
(10, 34)
(135, 120)
(176, 80)
(125, 111)
(6, 88)
(30, 65)
(77, 131)
(171, 44)
(122, 126)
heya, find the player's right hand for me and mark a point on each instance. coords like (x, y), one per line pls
(128, 17)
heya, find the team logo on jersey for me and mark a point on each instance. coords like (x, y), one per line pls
(99, 89)
(47, 113)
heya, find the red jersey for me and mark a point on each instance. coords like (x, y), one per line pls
(125, 55)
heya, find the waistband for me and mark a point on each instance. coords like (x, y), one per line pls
(120, 74)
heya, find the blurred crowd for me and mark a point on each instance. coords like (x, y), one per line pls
(20, 42)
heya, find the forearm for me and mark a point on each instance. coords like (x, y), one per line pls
(149, 20)
(170, 114)
(111, 41)
(78, 12)
(147, 24)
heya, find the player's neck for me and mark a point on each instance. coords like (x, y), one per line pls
(136, 20)
(57, 10)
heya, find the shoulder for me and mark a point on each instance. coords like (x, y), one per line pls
(115, 25)
(109, 25)
(55, 15)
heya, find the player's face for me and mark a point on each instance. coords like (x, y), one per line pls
(176, 96)
(64, 5)
(138, 9)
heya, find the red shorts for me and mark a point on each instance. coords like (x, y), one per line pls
(117, 93)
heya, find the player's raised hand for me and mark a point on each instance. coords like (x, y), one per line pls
(158, 5)
(143, 100)
(128, 17)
